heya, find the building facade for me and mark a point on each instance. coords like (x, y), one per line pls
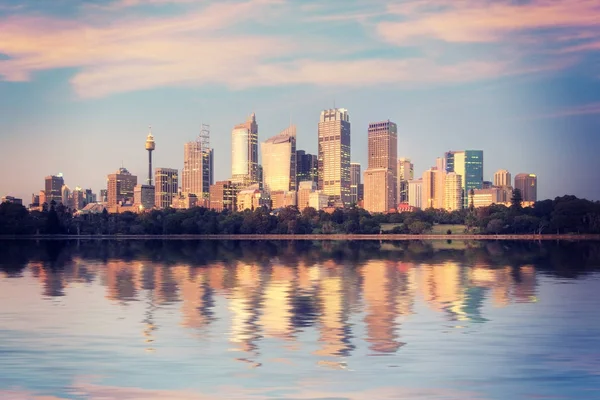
(415, 198)
(486, 197)
(318, 200)
(334, 155)
(383, 153)
(279, 161)
(120, 187)
(307, 167)
(453, 195)
(197, 172)
(143, 197)
(527, 184)
(244, 152)
(502, 178)
(378, 196)
(166, 187)
(282, 199)
(305, 188)
(406, 172)
(433, 188)
(469, 165)
(354, 182)
(53, 188)
(251, 198)
(223, 196)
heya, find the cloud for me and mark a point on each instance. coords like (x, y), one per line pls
(483, 21)
(243, 44)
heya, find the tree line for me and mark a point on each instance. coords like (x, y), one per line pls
(563, 215)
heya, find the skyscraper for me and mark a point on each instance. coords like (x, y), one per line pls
(150, 146)
(354, 182)
(53, 192)
(453, 199)
(502, 178)
(334, 154)
(415, 193)
(279, 161)
(433, 188)
(66, 198)
(165, 188)
(383, 153)
(244, 152)
(405, 173)
(378, 196)
(120, 187)
(469, 165)
(197, 172)
(527, 184)
(307, 167)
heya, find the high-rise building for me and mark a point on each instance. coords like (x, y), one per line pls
(527, 184)
(378, 196)
(143, 197)
(334, 155)
(167, 182)
(415, 198)
(279, 161)
(383, 153)
(502, 178)
(453, 199)
(244, 152)
(434, 186)
(53, 192)
(406, 172)
(35, 199)
(78, 198)
(103, 195)
(307, 167)
(150, 146)
(90, 197)
(120, 187)
(66, 198)
(469, 165)
(223, 196)
(354, 182)
(197, 172)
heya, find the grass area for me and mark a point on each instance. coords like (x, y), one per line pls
(436, 230)
(442, 229)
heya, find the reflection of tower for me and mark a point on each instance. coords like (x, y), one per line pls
(150, 146)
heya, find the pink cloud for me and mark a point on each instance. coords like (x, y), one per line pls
(207, 46)
(485, 21)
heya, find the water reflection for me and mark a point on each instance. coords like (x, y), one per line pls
(326, 301)
(277, 295)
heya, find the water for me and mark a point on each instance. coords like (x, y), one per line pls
(282, 320)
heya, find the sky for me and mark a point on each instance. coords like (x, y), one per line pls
(81, 82)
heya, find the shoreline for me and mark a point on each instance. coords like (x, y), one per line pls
(316, 237)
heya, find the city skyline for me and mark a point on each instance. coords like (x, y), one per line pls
(524, 93)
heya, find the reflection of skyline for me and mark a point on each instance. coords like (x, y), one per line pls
(275, 301)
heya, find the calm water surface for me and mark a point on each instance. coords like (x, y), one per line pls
(284, 320)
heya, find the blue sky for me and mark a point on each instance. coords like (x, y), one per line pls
(80, 82)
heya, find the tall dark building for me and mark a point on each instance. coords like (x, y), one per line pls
(53, 188)
(307, 167)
